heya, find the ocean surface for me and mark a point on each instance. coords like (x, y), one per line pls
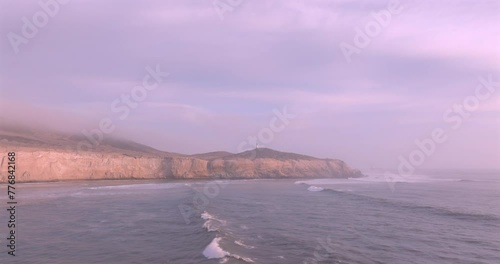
(431, 217)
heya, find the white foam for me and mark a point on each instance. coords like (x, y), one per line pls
(206, 216)
(214, 251)
(240, 243)
(393, 177)
(211, 222)
(315, 189)
(378, 178)
(247, 260)
(208, 225)
(148, 186)
(323, 181)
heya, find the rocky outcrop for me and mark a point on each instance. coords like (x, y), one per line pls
(53, 159)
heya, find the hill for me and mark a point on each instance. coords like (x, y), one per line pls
(49, 156)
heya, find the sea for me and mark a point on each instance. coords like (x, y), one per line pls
(428, 217)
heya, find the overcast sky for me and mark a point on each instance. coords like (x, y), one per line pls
(232, 67)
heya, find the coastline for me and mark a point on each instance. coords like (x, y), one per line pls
(55, 157)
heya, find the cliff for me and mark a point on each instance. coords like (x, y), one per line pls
(41, 158)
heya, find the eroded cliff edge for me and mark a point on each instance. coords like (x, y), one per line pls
(39, 161)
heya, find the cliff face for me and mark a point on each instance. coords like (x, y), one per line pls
(54, 165)
(50, 165)
(44, 162)
(257, 168)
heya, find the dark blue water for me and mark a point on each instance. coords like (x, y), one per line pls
(441, 217)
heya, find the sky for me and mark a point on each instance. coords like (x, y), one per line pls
(369, 82)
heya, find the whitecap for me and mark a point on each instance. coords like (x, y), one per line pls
(315, 189)
(211, 222)
(214, 251)
(324, 181)
(149, 186)
(206, 216)
(240, 243)
(208, 225)
(394, 177)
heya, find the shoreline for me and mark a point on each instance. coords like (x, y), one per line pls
(177, 179)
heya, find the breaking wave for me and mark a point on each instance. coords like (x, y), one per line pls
(315, 189)
(148, 186)
(214, 249)
(404, 205)
(392, 177)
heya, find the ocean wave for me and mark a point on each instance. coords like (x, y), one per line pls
(214, 249)
(206, 216)
(323, 181)
(209, 227)
(212, 223)
(393, 178)
(379, 178)
(240, 243)
(148, 186)
(455, 213)
(315, 189)
(451, 212)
